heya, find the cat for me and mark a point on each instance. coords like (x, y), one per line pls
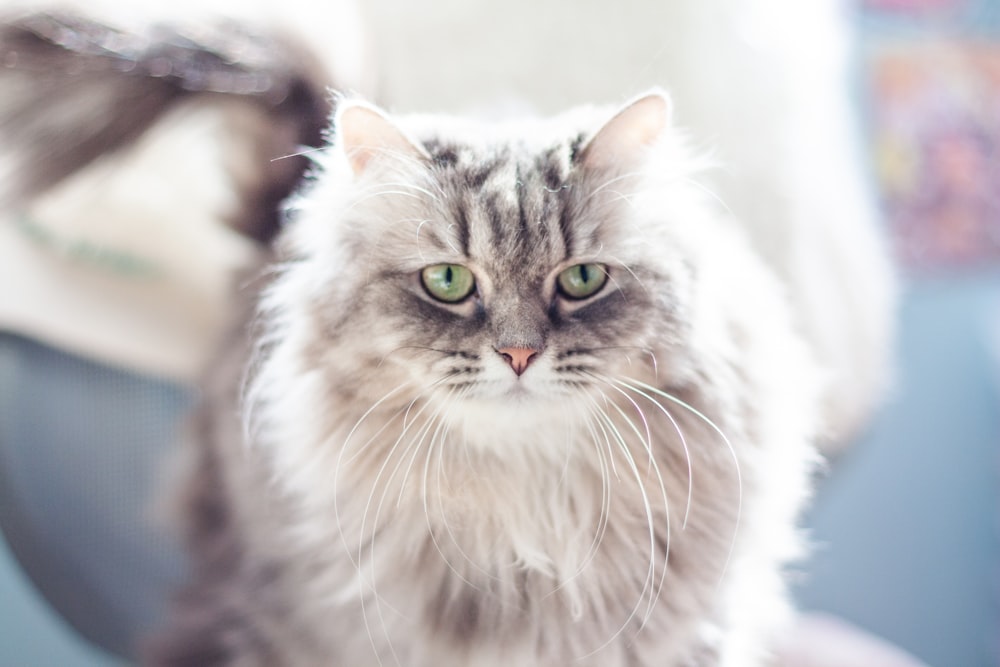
(515, 393)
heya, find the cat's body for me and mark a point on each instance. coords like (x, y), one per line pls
(521, 476)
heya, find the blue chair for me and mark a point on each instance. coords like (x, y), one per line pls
(83, 448)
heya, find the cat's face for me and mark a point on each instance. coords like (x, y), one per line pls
(502, 275)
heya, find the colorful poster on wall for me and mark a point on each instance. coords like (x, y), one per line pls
(935, 128)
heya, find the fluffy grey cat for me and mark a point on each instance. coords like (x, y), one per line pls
(519, 394)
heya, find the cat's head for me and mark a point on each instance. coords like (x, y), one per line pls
(504, 268)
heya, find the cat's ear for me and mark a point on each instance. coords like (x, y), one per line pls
(366, 135)
(622, 140)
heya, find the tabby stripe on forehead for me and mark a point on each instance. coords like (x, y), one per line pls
(522, 214)
(575, 146)
(550, 166)
(462, 225)
(443, 155)
(493, 216)
(544, 217)
(564, 227)
(477, 175)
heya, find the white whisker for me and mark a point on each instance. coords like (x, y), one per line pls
(621, 196)
(625, 266)
(447, 527)
(714, 196)
(382, 193)
(414, 444)
(305, 152)
(357, 562)
(600, 188)
(448, 240)
(341, 462)
(602, 520)
(371, 542)
(677, 429)
(732, 451)
(378, 432)
(412, 186)
(420, 435)
(420, 226)
(651, 570)
(607, 439)
(427, 510)
(617, 285)
(653, 467)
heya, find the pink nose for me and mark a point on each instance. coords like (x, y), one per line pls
(518, 357)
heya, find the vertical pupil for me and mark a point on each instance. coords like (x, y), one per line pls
(584, 275)
(448, 276)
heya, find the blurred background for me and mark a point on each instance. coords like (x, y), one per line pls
(906, 523)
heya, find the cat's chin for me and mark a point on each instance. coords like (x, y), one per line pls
(519, 394)
(505, 417)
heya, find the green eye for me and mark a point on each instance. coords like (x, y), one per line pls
(449, 283)
(582, 281)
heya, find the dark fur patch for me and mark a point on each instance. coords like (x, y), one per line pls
(462, 225)
(477, 174)
(550, 166)
(575, 146)
(566, 229)
(495, 216)
(442, 155)
(523, 206)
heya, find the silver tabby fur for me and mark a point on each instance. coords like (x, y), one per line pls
(396, 495)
